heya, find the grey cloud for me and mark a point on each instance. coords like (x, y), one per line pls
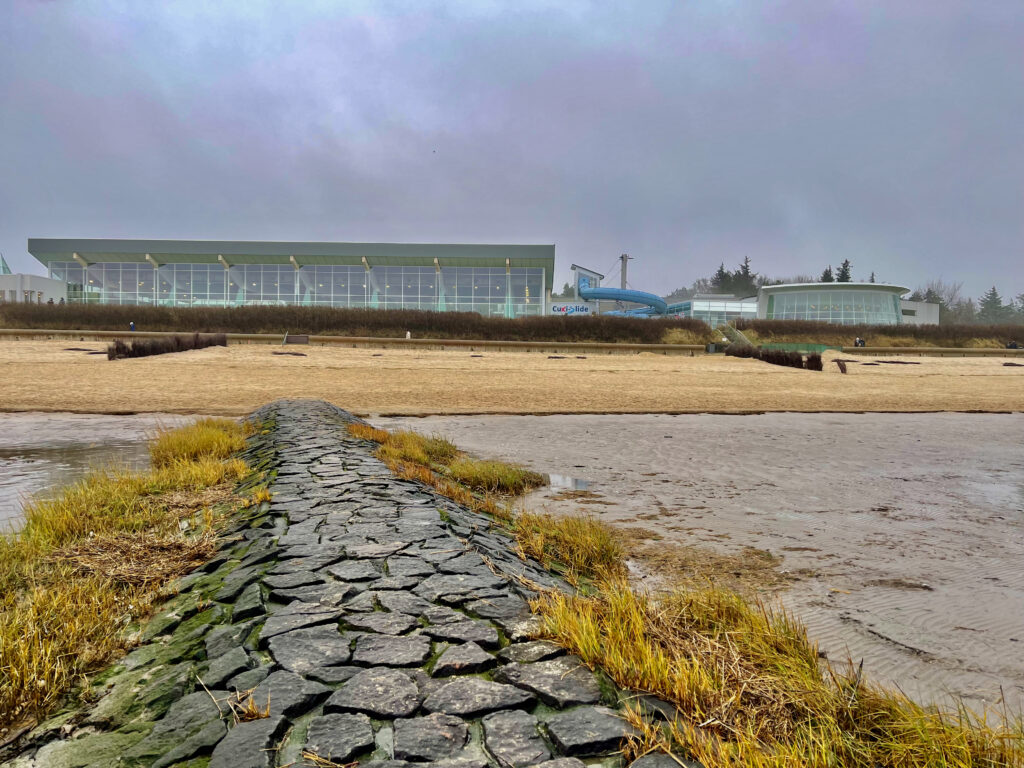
(798, 133)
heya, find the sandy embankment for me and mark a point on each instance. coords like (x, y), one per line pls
(45, 376)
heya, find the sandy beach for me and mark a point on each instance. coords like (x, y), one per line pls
(897, 538)
(60, 376)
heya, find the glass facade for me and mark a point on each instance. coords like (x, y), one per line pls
(716, 312)
(843, 307)
(495, 291)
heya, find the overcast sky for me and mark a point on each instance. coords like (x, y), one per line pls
(686, 133)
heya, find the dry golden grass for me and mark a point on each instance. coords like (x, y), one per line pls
(237, 379)
(91, 560)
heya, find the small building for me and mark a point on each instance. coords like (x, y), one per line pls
(919, 312)
(494, 280)
(716, 309)
(29, 289)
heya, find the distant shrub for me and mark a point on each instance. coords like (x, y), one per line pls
(351, 322)
(121, 349)
(813, 362)
(881, 335)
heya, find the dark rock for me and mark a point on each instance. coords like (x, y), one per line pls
(289, 694)
(222, 639)
(527, 653)
(397, 582)
(224, 667)
(387, 651)
(561, 682)
(304, 650)
(512, 739)
(192, 725)
(249, 679)
(464, 659)
(506, 608)
(339, 737)
(249, 604)
(403, 602)
(409, 566)
(657, 709)
(434, 737)
(442, 614)
(249, 744)
(376, 550)
(283, 622)
(469, 631)
(355, 570)
(291, 580)
(334, 675)
(384, 623)
(386, 693)
(440, 584)
(588, 731)
(235, 583)
(472, 697)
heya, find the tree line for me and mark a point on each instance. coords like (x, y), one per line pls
(954, 306)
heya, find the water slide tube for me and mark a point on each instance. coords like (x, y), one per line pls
(624, 294)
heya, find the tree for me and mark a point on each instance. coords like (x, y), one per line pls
(721, 281)
(826, 276)
(566, 290)
(991, 308)
(872, 278)
(744, 280)
(843, 275)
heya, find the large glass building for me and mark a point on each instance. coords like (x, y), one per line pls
(716, 310)
(839, 303)
(495, 280)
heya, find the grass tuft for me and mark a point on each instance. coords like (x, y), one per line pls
(494, 476)
(90, 561)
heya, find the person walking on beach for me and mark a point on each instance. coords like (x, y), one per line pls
(131, 326)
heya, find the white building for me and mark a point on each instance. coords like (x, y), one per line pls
(31, 289)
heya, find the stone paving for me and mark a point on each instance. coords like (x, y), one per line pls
(381, 622)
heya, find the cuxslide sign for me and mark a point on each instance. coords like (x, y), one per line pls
(572, 308)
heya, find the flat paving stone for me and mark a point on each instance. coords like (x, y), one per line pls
(433, 737)
(355, 570)
(527, 653)
(289, 694)
(464, 659)
(388, 651)
(513, 740)
(305, 650)
(249, 744)
(375, 549)
(288, 621)
(588, 731)
(387, 693)
(473, 697)
(249, 604)
(222, 639)
(292, 580)
(403, 602)
(468, 631)
(561, 682)
(339, 737)
(383, 623)
(440, 584)
(500, 608)
(226, 666)
(661, 760)
(409, 566)
(562, 762)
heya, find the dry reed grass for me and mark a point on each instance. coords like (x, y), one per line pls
(90, 561)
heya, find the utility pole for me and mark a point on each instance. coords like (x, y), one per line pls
(624, 258)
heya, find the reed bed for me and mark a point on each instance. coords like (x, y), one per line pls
(806, 331)
(748, 684)
(90, 561)
(352, 322)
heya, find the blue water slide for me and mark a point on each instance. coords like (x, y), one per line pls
(624, 294)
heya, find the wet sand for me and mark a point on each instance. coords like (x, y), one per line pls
(53, 376)
(903, 533)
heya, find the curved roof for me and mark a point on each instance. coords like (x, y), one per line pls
(885, 287)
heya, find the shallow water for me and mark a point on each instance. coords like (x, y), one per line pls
(42, 451)
(905, 531)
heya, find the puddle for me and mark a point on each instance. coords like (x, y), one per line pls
(567, 483)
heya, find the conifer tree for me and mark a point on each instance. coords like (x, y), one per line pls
(843, 275)
(826, 276)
